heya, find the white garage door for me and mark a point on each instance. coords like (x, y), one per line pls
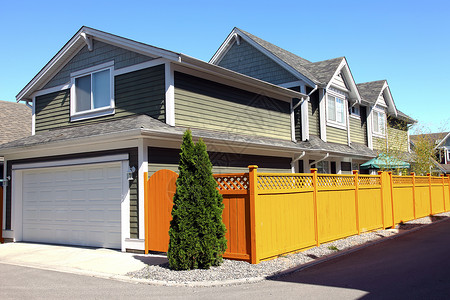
(76, 205)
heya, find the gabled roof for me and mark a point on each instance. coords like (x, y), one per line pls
(436, 138)
(15, 121)
(405, 117)
(371, 91)
(85, 35)
(318, 73)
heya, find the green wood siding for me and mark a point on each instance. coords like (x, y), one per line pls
(136, 93)
(336, 135)
(313, 113)
(201, 103)
(165, 158)
(379, 143)
(358, 128)
(246, 59)
(101, 53)
(397, 139)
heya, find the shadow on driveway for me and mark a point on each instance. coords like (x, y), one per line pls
(411, 266)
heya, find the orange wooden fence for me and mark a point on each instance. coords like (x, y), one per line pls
(159, 191)
(269, 214)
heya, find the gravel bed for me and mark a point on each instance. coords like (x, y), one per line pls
(232, 270)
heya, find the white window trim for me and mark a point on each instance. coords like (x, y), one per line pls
(375, 112)
(335, 123)
(98, 112)
(353, 115)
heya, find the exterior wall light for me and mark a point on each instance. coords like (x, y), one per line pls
(130, 173)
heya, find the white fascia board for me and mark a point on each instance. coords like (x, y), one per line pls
(131, 45)
(442, 141)
(227, 44)
(238, 78)
(388, 97)
(223, 49)
(68, 50)
(76, 142)
(344, 68)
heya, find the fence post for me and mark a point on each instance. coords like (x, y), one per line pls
(414, 193)
(431, 200)
(443, 190)
(316, 220)
(380, 173)
(356, 178)
(253, 186)
(392, 198)
(146, 220)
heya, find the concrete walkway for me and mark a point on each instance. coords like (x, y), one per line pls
(78, 260)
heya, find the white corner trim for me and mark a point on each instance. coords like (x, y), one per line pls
(33, 118)
(16, 205)
(71, 162)
(322, 116)
(369, 127)
(125, 205)
(304, 110)
(346, 111)
(141, 66)
(170, 94)
(141, 168)
(292, 115)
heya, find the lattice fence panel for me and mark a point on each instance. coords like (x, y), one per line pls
(421, 180)
(235, 182)
(284, 182)
(369, 180)
(335, 180)
(402, 179)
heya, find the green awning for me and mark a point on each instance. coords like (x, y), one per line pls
(383, 161)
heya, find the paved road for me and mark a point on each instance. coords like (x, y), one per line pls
(413, 266)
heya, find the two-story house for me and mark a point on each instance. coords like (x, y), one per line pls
(350, 122)
(441, 146)
(106, 109)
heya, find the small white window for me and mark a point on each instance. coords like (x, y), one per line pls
(335, 110)
(379, 122)
(92, 93)
(355, 110)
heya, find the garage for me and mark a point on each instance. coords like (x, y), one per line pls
(73, 205)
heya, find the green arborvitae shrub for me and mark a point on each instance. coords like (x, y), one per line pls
(209, 219)
(197, 233)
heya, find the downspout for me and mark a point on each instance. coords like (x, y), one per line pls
(319, 160)
(295, 160)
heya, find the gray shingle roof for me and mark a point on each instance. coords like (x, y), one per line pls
(150, 125)
(319, 72)
(370, 91)
(405, 117)
(15, 121)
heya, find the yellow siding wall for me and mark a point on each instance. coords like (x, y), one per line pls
(398, 139)
(336, 135)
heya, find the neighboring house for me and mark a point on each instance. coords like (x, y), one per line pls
(106, 109)
(15, 123)
(441, 142)
(346, 120)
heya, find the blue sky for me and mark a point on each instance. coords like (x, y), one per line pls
(405, 42)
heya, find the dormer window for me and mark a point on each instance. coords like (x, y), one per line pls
(379, 122)
(92, 92)
(335, 110)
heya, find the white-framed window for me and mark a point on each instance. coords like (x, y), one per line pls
(92, 92)
(355, 111)
(336, 110)
(379, 122)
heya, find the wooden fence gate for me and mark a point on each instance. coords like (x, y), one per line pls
(161, 188)
(159, 191)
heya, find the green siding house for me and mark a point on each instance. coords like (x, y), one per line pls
(351, 122)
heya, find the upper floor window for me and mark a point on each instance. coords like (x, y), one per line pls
(335, 110)
(355, 110)
(379, 122)
(92, 92)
